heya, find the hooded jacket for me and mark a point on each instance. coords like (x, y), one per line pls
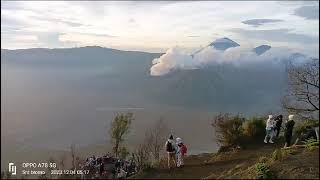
(289, 126)
(270, 123)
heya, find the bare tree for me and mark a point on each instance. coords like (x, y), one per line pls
(6, 174)
(62, 165)
(303, 93)
(142, 156)
(156, 137)
(119, 128)
(3, 174)
(73, 156)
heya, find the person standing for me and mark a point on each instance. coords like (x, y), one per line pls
(171, 151)
(288, 131)
(181, 151)
(278, 120)
(269, 130)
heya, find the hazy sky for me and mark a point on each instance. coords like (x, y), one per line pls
(157, 26)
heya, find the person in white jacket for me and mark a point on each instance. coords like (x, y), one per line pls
(269, 130)
(179, 152)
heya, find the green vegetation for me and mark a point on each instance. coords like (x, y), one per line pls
(255, 161)
(228, 129)
(123, 152)
(311, 144)
(286, 152)
(119, 128)
(277, 155)
(263, 159)
(254, 127)
(300, 127)
(263, 171)
(280, 154)
(236, 130)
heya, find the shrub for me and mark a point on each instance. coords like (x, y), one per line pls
(311, 144)
(142, 157)
(280, 154)
(162, 163)
(302, 126)
(263, 171)
(254, 127)
(228, 129)
(263, 159)
(277, 155)
(312, 148)
(290, 151)
(123, 152)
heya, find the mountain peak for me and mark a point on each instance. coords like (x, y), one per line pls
(261, 49)
(223, 44)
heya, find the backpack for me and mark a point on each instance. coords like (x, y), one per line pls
(169, 147)
(184, 149)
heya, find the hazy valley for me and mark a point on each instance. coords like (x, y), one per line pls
(52, 98)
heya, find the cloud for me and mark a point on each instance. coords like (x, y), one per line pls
(84, 39)
(25, 38)
(57, 20)
(259, 22)
(308, 12)
(133, 23)
(13, 41)
(178, 59)
(145, 25)
(131, 20)
(277, 35)
(51, 39)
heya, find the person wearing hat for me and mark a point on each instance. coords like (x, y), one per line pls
(269, 130)
(181, 151)
(288, 130)
(171, 151)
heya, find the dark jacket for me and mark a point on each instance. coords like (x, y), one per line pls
(278, 122)
(289, 128)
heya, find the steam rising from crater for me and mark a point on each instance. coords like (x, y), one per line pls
(178, 58)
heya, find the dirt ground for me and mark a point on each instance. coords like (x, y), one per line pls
(234, 165)
(304, 165)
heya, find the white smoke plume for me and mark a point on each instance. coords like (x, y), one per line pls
(178, 59)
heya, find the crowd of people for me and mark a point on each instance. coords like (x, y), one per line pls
(176, 152)
(108, 167)
(274, 126)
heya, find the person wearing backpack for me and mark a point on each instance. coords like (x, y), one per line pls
(181, 151)
(171, 151)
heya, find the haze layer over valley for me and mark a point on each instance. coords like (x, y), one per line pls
(56, 97)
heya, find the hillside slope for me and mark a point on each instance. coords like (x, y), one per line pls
(240, 165)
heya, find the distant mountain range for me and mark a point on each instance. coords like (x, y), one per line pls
(261, 49)
(225, 43)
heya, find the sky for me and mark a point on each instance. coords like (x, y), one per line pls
(155, 26)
